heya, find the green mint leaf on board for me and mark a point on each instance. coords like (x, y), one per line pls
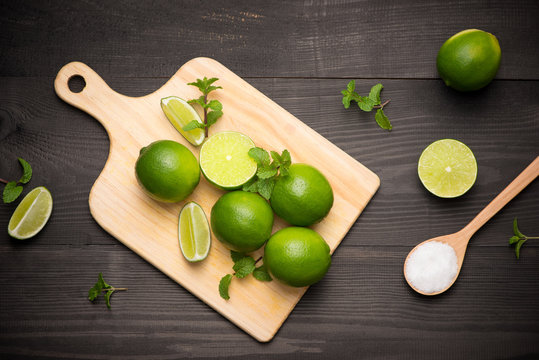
(265, 187)
(266, 172)
(261, 274)
(382, 120)
(212, 117)
(519, 238)
(244, 267)
(374, 94)
(205, 86)
(236, 256)
(260, 156)
(27, 171)
(11, 192)
(367, 103)
(277, 159)
(193, 124)
(102, 287)
(223, 286)
(251, 185)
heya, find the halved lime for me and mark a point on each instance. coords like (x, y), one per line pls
(225, 162)
(447, 168)
(194, 232)
(180, 113)
(31, 215)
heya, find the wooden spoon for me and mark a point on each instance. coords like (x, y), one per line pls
(459, 240)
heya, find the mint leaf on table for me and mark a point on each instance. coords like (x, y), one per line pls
(212, 108)
(261, 274)
(12, 190)
(244, 267)
(519, 238)
(102, 287)
(236, 256)
(269, 170)
(224, 285)
(367, 103)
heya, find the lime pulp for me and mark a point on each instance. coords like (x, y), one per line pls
(180, 113)
(31, 214)
(194, 233)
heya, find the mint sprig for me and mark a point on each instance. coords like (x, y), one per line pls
(213, 109)
(268, 172)
(243, 266)
(13, 190)
(519, 238)
(101, 287)
(367, 103)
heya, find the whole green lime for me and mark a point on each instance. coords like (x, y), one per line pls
(242, 221)
(469, 60)
(303, 197)
(167, 171)
(297, 256)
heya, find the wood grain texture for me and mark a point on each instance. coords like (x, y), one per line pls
(344, 38)
(150, 228)
(363, 308)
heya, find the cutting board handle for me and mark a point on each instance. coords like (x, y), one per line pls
(96, 89)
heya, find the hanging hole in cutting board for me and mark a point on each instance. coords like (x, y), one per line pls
(76, 83)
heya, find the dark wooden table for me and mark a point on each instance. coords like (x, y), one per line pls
(301, 54)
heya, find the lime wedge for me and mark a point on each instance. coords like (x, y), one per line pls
(31, 215)
(225, 162)
(447, 168)
(180, 113)
(194, 233)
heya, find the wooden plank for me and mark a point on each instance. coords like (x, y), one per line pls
(340, 38)
(122, 209)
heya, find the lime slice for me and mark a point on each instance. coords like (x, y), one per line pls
(447, 168)
(31, 215)
(225, 162)
(194, 232)
(180, 113)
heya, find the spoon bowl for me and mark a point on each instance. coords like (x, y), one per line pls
(459, 240)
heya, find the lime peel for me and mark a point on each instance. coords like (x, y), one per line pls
(180, 113)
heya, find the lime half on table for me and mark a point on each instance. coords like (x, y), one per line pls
(225, 160)
(180, 113)
(194, 232)
(31, 214)
(447, 168)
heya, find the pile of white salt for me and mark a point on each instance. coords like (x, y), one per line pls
(432, 267)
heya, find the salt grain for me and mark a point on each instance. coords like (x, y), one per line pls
(432, 267)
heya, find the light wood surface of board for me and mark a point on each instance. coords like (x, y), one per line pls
(149, 227)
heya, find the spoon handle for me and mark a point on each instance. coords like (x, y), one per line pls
(516, 186)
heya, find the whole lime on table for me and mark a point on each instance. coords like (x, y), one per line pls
(447, 168)
(167, 171)
(242, 221)
(303, 197)
(469, 60)
(297, 256)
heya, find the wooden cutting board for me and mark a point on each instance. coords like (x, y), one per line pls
(149, 227)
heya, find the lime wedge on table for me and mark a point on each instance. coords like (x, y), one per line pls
(31, 215)
(225, 162)
(194, 232)
(447, 168)
(180, 113)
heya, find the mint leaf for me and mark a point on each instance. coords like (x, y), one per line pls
(374, 94)
(266, 172)
(193, 124)
(236, 256)
(519, 245)
(107, 297)
(27, 171)
(223, 286)
(244, 267)
(351, 86)
(265, 187)
(101, 282)
(11, 192)
(513, 239)
(516, 231)
(346, 99)
(215, 105)
(101, 286)
(277, 159)
(251, 185)
(382, 120)
(259, 155)
(261, 274)
(212, 117)
(365, 103)
(200, 101)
